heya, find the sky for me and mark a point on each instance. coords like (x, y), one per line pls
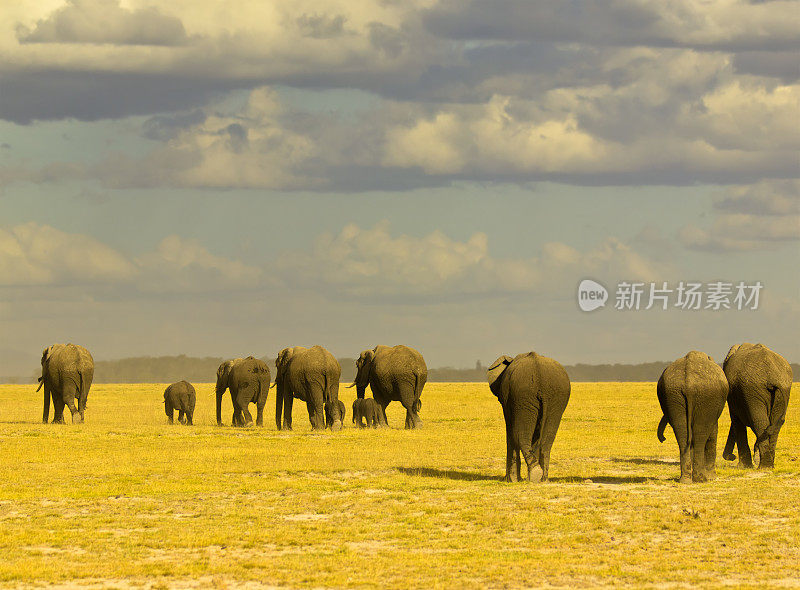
(230, 178)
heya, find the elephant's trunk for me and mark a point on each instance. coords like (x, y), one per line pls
(219, 406)
(278, 405)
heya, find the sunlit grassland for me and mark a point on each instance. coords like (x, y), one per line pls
(127, 497)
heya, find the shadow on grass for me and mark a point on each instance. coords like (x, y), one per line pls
(447, 474)
(643, 461)
(607, 479)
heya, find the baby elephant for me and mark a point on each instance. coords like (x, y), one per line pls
(329, 419)
(182, 397)
(369, 410)
(692, 393)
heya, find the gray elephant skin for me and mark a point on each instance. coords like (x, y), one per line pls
(393, 373)
(329, 414)
(180, 396)
(367, 409)
(248, 381)
(692, 393)
(67, 374)
(311, 375)
(534, 392)
(760, 382)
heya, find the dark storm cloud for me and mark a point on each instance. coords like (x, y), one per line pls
(601, 22)
(165, 127)
(784, 65)
(89, 96)
(321, 26)
(105, 21)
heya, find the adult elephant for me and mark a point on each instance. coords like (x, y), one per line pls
(692, 393)
(393, 373)
(67, 374)
(311, 375)
(534, 391)
(248, 381)
(760, 382)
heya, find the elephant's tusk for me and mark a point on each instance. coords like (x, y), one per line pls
(350, 386)
(41, 382)
(273, 385)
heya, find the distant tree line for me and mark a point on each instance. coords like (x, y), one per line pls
(167, 369)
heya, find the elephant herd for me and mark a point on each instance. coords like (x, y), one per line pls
(532, 389)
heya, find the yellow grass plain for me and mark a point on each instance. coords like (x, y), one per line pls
(127, 501)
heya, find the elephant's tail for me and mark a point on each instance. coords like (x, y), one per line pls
(689, 416)
(661, 426)
(418, 385)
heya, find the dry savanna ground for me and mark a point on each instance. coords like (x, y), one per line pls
(127, 501)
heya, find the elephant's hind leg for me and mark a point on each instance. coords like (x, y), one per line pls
(245, 417)
(701, 435)
(58, 409)
(681, 430)
(740, 436)
(523, 441)
(711, 453)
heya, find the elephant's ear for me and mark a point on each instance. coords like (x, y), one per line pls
(46, 354)
(496, 369)
(731, 352)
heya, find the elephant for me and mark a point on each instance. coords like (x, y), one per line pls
(760, 382)
(329, 414)
(67, 374)
(393, 373)
(534, 391)
(692, 392)
(311, 375)
(182, 397)
(248, 381)
(369, 410)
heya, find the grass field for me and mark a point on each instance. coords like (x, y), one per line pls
(127, 501)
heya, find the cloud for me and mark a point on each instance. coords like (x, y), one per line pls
(762, 216)
(105, 21)
(682, 23)
(618, 92)
(180, 265)
(373, 264)
(33, 254)
(36, 255)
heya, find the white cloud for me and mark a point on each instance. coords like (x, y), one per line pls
(34, 254)
(104, 21)
(373, 263)
(765, 215)
(179, 264)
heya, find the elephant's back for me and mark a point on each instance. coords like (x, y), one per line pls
(69, 359)
(541, 373)
(695, 374)
(399, 362)
(319, 359)
(758, 366)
